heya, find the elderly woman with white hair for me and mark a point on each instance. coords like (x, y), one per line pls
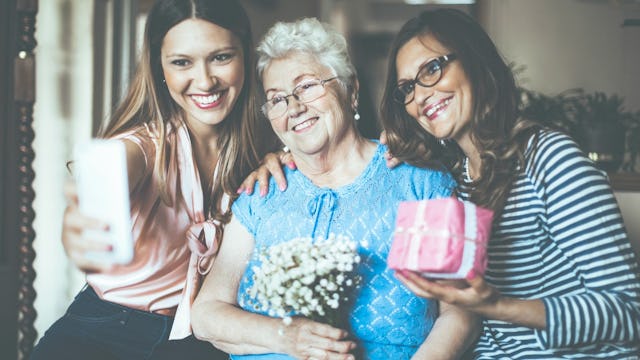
(342, 186)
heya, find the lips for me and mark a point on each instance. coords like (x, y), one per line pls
(207, 101)
(432, 111)
(305, 124)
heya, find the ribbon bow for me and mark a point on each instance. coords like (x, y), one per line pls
(203, 241)
(328, 198)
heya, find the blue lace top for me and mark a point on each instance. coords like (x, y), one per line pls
(386, 319)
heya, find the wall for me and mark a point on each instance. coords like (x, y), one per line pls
(569, 43)
(62, 114)
(630, 206)
(573, 43)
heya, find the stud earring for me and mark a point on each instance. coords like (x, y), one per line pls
(442, 142)
(356, 115)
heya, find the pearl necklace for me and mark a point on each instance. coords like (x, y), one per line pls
(465, 170)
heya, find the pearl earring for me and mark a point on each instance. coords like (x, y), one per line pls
(357, 115)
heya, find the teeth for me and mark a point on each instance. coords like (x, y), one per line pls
(206, 100)
(438, 107)
(303, 125)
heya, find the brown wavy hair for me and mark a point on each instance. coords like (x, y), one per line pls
(243, 137)
(496, 129)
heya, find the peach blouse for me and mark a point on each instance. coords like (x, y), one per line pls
(169, 257)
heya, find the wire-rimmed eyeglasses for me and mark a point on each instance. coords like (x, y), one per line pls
(428, 75)
(304, 92)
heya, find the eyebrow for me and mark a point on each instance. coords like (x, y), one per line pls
(216, 51)
(296, 81)
(399, 80)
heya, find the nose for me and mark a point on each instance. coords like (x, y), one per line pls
(294, 106)
(204, 78)
(422, 93)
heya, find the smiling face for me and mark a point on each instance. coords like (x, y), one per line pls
(203, 69)
(312, 127)
(444, 110)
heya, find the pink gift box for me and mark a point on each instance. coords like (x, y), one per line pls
(441, 238)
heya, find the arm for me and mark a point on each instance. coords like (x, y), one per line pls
(217, 318)
(585, 226)
(452, 334)
(480, 298)
(75, 244)
(271, 166)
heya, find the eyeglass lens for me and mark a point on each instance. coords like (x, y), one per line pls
(305, 92)
(428, 75)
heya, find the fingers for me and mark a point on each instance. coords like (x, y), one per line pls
(390, 160)
(319, 354)
(388, 157)
(248, 183)
(476, 295)
(271, 166)
(70, 193)
(417, 284)
(287, 158)
(483, 290)
(83, 238)
(314, 340)
(383, 137)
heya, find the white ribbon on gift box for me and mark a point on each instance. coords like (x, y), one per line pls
(421, 228)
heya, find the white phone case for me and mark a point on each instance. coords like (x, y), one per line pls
(100, 170)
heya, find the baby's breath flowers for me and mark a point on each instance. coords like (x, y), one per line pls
(306, 277)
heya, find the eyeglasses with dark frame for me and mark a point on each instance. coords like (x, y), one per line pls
(305, 92)
(428, 75)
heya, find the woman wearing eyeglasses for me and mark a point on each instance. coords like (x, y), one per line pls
(342, 187)
(562, 277)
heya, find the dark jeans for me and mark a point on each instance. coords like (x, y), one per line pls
(96, 329)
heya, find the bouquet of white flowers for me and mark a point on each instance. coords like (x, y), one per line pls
(306, 277)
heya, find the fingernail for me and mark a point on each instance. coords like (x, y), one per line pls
(263, 192)
(109, 247)
(239, 191)
(291, 165)
(282, 187)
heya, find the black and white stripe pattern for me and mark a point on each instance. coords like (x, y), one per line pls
(561, 239)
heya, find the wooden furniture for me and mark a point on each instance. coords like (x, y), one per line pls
(17, 97)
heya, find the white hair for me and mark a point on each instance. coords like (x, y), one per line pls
(308, 36)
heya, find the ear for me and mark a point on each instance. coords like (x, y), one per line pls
(354, 94)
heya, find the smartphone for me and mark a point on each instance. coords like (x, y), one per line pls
(100, 171)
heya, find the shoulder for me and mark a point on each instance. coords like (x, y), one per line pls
(555, 158)
(253, 204)
(140, 140)
(426, 182)
(550, 145)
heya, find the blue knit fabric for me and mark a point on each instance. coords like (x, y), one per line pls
(387, 320)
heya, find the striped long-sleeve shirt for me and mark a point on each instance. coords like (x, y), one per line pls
(561, 239)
